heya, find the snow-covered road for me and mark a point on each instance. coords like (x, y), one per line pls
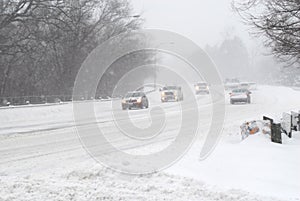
(42, 158)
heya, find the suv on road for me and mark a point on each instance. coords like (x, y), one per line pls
(135, 99)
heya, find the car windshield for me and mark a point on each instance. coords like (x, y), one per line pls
(134, 94)
(202, 84)
(169, 93)
(170, 88)
(239, 91)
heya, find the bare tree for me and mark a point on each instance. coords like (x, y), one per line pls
(44, 42)
(278, 21)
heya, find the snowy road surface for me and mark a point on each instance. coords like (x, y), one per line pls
(41, 157)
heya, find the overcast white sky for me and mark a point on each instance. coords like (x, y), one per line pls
(203, 21)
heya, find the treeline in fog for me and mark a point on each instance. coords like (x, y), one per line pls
(44, 42)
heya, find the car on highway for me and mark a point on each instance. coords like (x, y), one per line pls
(171, 93)
(201, 88)
(240, 95)
(135, 99)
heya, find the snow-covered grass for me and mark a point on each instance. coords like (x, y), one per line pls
(254, 165)
(100, 184)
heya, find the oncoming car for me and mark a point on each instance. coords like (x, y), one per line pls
(171, 93)
(135, 99)
(240, 95)
(201, 88)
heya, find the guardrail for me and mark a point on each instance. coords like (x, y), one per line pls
(26, 100)
(52, 99)
(31, 101)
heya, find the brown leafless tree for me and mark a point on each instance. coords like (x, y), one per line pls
(278, 21)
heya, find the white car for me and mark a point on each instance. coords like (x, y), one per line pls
(240, 95)
(201, 88)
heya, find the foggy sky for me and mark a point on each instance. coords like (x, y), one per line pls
(206, 22)
(203, 21)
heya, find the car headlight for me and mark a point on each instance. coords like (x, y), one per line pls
(139, 100)
(162, 93)
(123, 101)
(197, 87)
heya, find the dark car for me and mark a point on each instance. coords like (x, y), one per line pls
(240, 95)
(135, 99)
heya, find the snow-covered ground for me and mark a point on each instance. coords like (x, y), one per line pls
(41, 157)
